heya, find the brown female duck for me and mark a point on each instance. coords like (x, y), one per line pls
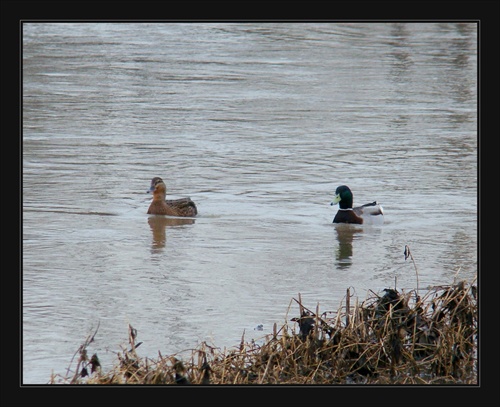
(170, 207)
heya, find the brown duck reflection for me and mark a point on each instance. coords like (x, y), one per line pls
(159, 224)
(345, 236)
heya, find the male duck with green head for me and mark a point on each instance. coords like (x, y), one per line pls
(372, 212)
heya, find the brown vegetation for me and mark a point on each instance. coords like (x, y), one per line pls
(390, 338)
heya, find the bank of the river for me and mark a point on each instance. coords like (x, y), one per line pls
(390, 338)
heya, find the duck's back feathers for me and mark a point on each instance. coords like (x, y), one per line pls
(372, 209)
(183, 206)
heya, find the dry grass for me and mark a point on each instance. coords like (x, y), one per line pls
(390, 338)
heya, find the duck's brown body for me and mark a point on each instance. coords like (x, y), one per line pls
(171, 207)
(347, 216)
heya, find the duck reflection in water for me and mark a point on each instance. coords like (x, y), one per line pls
(345, 235)
(159, 224)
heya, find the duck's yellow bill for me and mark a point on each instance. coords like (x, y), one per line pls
(336, 200)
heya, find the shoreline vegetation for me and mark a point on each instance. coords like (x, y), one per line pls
(390, 338)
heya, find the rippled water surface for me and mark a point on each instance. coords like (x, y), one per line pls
(258, 123)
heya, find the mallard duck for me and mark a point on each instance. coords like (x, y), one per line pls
(180, 372)
(348, 214)
(170, 207)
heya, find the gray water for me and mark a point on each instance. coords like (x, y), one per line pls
(258, 123)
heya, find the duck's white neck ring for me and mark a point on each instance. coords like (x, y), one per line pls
(348, 209)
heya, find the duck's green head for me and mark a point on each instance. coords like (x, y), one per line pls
(343, 197)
